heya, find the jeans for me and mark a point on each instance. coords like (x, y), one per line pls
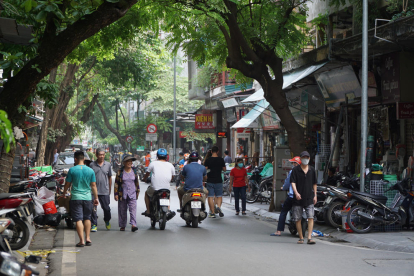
(287, 205)
(104, 201)
(240, 193)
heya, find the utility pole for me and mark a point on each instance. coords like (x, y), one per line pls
(175, 113)
(364, 96)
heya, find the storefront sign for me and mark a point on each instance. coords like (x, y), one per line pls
(270, 119)
(230, 103)
(181, 135)
(390, 78)
(204, 121)
(221, 134)
(405, 111)
(231, 117)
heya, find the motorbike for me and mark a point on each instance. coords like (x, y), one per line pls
(5, 233)
(261, 188)
(370, 212)
(10, 266)
(226, 184)
(193, 209)
(18, 209)
(292, 224)
(159, 208)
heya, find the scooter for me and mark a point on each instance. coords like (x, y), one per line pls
(193, 209)
(370, 212)
(5, 233)
(10, 266)
(16, 208)
(292, 224)
(159, 211)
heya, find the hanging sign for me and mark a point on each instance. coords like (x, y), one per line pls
(204, 121)
(221, 134)
(405, 111)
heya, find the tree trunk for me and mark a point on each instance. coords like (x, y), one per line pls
(122, 113)
(116, 115)
(6, 165)
(110, 128)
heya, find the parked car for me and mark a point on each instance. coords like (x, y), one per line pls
(66, 160)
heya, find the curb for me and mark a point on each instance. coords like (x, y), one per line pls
(358, 239)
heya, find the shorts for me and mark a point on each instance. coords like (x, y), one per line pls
(150, 191)
(297, 212)
(215, 189)
(81, 210)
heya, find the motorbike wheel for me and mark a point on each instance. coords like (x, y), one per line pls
(194, 222)
(163, 221)
(331, 218)
(153, 222)
(69, 223)
(20, 234)
(356, 223)
(253, 195)
(319, 216)
(292, 229)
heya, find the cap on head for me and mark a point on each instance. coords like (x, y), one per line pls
(296, 159)
(304, 154)
(127, 158)
(194, 156)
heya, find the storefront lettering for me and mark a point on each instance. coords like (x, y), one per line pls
(204, 121)
(390, 85)
(405, 110)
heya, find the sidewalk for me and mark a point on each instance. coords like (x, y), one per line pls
(390, 241)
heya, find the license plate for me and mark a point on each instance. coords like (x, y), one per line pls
(164, 202)
(328, 200)
(196, 204)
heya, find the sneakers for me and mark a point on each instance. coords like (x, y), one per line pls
(108, 225)
(211, 215)
(216, 209)
(220, 212)
(94, 228)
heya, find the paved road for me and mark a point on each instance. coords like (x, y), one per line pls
(233, 245)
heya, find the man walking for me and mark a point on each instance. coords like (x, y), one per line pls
(82, 179)
(227, 158)
(303, 179)
(55, 158)
(103, 174)
(287, 205)
(215, 165)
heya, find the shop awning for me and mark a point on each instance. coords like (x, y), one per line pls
(248, 121)
(288, 80)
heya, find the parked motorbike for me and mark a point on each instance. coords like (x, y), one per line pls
(159, 208)
(260, 191)
(5, 233)
(193, 209)
(292, 224)
(370, 212)
(18, 209)
(10, 266)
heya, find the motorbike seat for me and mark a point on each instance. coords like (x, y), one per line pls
(7, 195)
(195, 191)
(376, 197)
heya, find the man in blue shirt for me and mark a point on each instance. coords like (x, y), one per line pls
(83, 181)
(287, 205)
(194, 175)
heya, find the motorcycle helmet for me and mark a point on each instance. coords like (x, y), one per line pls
(193, 156)
(162, 153)
(186, 156)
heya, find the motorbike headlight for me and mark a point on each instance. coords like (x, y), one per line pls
(10, 267)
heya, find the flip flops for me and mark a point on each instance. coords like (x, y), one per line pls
(88, 243)
(301, 241)
(80, 245)
(274, 235)
(311, 241)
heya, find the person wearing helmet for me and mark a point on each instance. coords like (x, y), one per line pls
(287, 205)
(162, 174)
(194, 174)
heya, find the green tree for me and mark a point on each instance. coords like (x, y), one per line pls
(252, 37)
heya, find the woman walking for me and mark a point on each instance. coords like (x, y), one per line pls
(239, 182)
(126, 193)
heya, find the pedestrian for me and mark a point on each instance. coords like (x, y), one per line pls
(55, 158)
(208, 155)
(227, 158)
(215, 165)
(303, 179)
(287, 205)
(239, 182)
(240, 153)
(126, 193)
(82, 179)
(147, 159)
(103, 175)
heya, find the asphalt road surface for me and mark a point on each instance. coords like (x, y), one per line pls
(232, 245)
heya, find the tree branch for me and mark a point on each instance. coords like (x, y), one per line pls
(109, 127)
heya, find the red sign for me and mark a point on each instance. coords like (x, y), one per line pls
(405, 111)
(151, 128)
(181, 134)
(204, 121)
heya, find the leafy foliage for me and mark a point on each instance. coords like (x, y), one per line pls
(52, 134)
(6, 132)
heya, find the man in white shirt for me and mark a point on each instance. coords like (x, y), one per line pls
(162, 175)
(55, 158)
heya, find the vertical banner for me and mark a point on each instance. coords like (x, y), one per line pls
(204, 121)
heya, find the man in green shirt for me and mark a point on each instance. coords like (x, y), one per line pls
(82, 179)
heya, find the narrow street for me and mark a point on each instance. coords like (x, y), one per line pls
(232, 245)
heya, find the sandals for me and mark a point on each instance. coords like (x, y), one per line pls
(301, 241)
(244, 213)
(88, 243)
(134, 228)
(80, 245)
(122, 229)
(275, 235)
(237, 213)
(311, 241)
